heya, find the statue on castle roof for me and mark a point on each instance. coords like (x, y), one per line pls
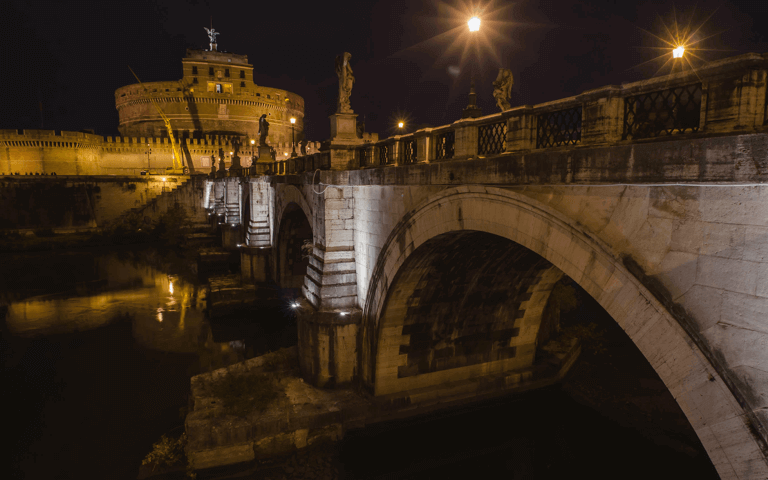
(346, 82)
(502, 87)
(263, 130)
(212, 37)
(303, 147)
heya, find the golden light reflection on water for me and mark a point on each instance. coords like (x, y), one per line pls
(166, 312)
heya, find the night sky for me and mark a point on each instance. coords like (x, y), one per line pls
(409, 58)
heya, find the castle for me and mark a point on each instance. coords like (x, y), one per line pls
(214, 102)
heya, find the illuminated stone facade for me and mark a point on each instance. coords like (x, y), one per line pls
(216, 96)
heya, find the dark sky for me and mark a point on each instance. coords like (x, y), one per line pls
(407, 56)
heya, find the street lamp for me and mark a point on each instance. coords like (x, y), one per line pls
(400, 124)
(253, 152)
(293, 138)
(472, 110)
(678, 52)
(149, 150)
(474, 24)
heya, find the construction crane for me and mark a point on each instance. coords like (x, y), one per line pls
(178, 165)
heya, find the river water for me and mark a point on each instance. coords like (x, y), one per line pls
(96, 352)
(97, 349)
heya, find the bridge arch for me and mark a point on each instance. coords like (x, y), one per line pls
(293, 233)
(713, 407)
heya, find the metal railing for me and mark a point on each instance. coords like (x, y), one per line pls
(409, 151)
(561, 127)
(662, 112)
(492, 138)
(444, 145)
(383, 154)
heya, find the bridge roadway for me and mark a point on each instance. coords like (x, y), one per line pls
(442, 270)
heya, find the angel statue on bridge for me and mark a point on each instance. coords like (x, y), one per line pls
(502, 87)
(346, 82)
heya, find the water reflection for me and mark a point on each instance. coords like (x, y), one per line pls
(167, 312)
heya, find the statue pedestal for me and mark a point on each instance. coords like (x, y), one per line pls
(343, 126)
(344, 140)
(265, 154)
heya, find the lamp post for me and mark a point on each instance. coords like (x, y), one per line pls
(293, 138)
(253, 152)
(472, 110)
(149, 150)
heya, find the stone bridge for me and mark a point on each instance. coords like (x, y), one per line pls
(430, 258)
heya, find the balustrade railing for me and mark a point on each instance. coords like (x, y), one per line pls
(561, 127)
(725, 96)
(384, 153)
(409, 151)
(662, 112)
(444, 145)
(492, 138)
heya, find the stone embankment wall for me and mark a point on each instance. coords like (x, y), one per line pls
(77, 153)
(62, 202)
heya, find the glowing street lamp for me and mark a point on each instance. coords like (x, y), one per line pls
(474, 24)
(472, 110)
(400, 125)
(678, 52)
(293, 138)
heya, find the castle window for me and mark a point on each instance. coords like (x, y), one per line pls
(242, 73)
(258, 94)
(194, 70)
(226, 72)
(218, 88)
(210, 71)
(242, 84)
(269, 97)
(194, 80)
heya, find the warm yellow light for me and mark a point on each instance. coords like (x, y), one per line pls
(400, 125)
(253, 141)
(286, 154)
(230, 153)
(170, 288)
(474, 24)
(678, 52)
(163, 178)
(293, 120)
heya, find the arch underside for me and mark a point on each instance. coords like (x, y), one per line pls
(292, 255)
(464, 305)
(728, 431)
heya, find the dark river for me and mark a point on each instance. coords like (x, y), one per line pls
(96, 352)
(97, 349)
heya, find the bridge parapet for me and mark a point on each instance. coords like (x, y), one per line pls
(727, 96)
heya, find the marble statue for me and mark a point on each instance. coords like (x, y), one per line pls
(502, 87)
(212, 37)
(263, 130)
(346, 82)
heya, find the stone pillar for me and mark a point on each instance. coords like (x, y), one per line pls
(258, 229)
(465, 145)
(232, 205)
(521, 129)
(424, 146)
(219, 204)
(329, 318)
(327, 345)
(255, 264)
(343, 141)
(602, 120)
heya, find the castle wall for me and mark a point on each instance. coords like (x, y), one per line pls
(76, 153)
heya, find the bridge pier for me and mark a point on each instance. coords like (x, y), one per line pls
(328, 342)
(256, 264)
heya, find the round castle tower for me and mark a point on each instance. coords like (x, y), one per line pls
(216, 96)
